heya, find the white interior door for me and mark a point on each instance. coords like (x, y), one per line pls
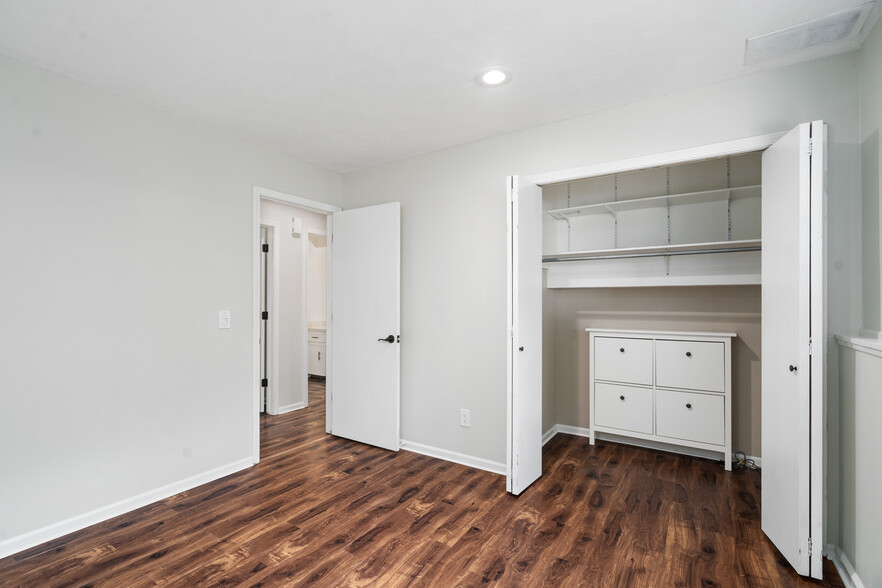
(363, 335)
(525, 334)
(792, 376)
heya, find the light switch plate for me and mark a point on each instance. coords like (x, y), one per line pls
(223, 319)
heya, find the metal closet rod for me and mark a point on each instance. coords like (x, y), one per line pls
(649, 254)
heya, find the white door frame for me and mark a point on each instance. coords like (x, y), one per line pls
(259, 193)
(725, 148)
(272, 370)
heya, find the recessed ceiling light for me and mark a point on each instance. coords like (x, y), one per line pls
(493, 76)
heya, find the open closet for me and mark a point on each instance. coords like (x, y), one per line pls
(676, 301)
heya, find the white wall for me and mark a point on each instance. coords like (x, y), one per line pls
(291, 306)
(123, 232)
(860, 513)
(317, 281)
(861, 365)
(453, 230)
(870, 64)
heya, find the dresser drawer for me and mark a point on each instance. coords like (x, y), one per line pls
(623, 360)
(696, 365)
(623, 407)
(690, 416)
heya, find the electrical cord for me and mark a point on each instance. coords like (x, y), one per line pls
(741, 462)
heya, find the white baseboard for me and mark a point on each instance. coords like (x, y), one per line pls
(549, 435)
(290, 407)
(583, 432)
(843, 566)
(460, 458)
(61, 528)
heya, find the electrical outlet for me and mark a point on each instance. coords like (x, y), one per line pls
(223, 319)
(465, 417)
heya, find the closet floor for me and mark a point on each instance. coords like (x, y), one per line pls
(325, 511)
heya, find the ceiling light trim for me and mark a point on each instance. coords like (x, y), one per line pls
(493, 76)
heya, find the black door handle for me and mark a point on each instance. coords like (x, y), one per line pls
(521, 348)
(793, 368)
(389, 339)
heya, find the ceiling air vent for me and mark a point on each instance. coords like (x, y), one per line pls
(835, 28)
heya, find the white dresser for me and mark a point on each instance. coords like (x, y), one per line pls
(667, 387)
(315, 366)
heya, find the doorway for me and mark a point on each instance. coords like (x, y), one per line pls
(281, 226)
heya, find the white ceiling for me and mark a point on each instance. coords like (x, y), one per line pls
(348, 84)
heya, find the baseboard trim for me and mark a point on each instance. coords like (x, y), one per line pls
(55, 530)
(290, 407)
(843, 566)
(583, 432)
(460, 458)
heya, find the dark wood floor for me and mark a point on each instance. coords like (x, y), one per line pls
(324, 511)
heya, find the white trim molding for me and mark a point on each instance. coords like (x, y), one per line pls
(843, 566)
(480, 463)
(862, 344)
(290, 407)
(81, 521)
(735, 147)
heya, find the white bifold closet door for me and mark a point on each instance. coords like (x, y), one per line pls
(524, 455)
(363, 336)
(793, 343)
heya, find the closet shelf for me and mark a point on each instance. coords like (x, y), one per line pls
(656, 202)
(656, 251)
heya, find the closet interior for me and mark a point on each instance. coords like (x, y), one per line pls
(674, 250)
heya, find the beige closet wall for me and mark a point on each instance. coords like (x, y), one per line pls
(703, 308)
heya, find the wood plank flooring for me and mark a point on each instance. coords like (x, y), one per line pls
(323, 511)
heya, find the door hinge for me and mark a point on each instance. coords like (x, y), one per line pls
(810, 547)
(810, 146)
(265, 248)
(264, 315)
(264, 383)
(810, 347)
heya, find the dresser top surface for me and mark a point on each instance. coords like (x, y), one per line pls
(662, 334)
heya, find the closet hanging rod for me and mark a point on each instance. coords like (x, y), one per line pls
(648, 254)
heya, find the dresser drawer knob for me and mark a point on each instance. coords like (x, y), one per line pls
(621, 349)
(688, 354)
(688, 405)
(621, 397)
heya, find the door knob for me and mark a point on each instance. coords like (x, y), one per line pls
(793, 368)
(389, 339)
(521, 348)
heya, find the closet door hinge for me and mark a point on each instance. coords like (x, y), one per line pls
(264, 383)
(810, 347)
(264, 248)
(810, 547)
(264, 315)
(810, 146)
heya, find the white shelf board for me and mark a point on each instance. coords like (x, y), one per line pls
(657, 249)
(655, 281)
(657, 202)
